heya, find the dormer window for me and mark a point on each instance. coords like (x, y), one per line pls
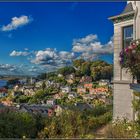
(127, 35)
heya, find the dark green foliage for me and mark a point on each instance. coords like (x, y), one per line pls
(73, 124)
(98, 110)
(17, 125)
(43, 86)
(101, 70)
(40, 94)
(77, 63)
(47, 75)
(22, 99)
(85, 68)
(66, 70)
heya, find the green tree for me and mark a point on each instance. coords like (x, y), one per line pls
(68, 125)
(39, 95)
(101, 70)
(85, 68)
(43, 85)
(22, 99)
(66, 70)
(78, 62)
(16, 125)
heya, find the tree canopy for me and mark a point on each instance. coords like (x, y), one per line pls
(97, 69)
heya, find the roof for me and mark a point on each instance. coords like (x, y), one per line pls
(128, 8)
(1, 105)
(3, 90)
(83, 106)
(37, 108)
(127, 11)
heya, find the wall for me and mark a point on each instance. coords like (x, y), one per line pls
(122, 102)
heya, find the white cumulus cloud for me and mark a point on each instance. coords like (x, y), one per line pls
(52, 57)
(16, 22)
(90, 48)
(19, 53)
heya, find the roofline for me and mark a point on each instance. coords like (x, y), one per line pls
(121, 15)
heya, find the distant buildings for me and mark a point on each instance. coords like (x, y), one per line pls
(88, 85)
(81, 90)
(103, 82)
(83, 106)
(37, 109)
(70, 78)
(100, 90)
(7, 103)
(72, 96)
(3, 92)
(51, 102)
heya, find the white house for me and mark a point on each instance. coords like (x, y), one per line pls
(38, 84)
(65, 89)
(29, 92)
(16, 87)
(72, 96)
(58, 110)
(126, 29)
(60, 75)
(103, 82)
(51, 102)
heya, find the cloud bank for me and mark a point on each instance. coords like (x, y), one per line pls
(49, 59)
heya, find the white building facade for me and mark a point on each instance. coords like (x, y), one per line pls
(126, 29)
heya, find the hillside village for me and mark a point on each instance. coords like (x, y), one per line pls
(50, 94)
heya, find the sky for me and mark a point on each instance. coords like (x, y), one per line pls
(38, 37)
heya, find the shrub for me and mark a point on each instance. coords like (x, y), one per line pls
(121, 129)
(97, 111)
(68, 125)
(97, 122)
(16, 125)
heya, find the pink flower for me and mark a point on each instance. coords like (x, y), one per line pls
(130, 47)
(120, 59)
(126, 50)
(134, 44)
(121, 53)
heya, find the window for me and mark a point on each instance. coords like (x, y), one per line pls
(127, 36)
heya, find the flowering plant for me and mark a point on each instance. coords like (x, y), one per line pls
(130, 58)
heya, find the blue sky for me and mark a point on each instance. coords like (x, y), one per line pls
(37, 37)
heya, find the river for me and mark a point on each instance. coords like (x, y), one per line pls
(3, 83)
